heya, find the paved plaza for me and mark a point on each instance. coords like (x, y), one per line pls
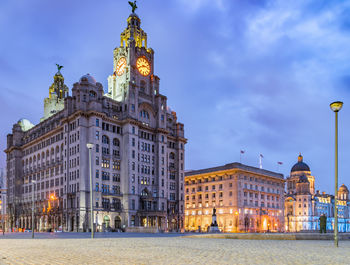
(123, 248)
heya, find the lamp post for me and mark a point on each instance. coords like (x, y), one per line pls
(90, 146)
(33, 182)
(2, 218)
(336, 107)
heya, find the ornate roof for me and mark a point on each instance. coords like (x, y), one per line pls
(300, 166)
(343, 188)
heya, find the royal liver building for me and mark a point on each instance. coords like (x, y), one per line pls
(137, 158)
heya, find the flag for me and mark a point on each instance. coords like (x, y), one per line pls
(261, 156)
(280, 163)
(242, 151)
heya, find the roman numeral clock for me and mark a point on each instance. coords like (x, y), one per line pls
(143, 66)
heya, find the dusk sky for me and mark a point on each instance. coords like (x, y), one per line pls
(242, 75)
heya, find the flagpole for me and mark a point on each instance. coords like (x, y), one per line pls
(240, 155)
(260, 162)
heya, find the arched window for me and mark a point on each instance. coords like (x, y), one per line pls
(92, 94)
(105, 139)
(115, 142)
(172, 155)
(144, 193)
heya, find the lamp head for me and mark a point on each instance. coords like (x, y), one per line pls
(90, 146)
(336, 106)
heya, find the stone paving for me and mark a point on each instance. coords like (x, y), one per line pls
(165, 249)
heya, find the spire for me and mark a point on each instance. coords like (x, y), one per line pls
(58, 87)
(300, 158)
(133, 32)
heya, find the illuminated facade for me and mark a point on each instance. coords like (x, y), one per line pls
(137, 159)
(246, 199)
(304, 206)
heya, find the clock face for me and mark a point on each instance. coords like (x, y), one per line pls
(121, 66)
(143, 66)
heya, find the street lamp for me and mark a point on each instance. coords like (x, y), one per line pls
(90, 146)
(33, 183)
(52, 211)
(336, 107)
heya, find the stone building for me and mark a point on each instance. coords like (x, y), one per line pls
(3, 190)
(137, 159)
(245, 198)
(304, 206)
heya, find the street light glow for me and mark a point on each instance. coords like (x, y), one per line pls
(336, 106)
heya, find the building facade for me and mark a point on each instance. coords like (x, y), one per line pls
(304, 206)
(137, 159)
(245, 198)
(3, 191)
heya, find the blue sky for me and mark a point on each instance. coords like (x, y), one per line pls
(252, 75)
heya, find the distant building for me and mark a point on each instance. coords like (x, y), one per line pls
(138, 154)
(246, 199)
(304, 206)
(3, 189)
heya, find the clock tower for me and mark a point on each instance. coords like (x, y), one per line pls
(132, 66)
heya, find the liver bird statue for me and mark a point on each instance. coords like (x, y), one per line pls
(133, 6)
(59, 67)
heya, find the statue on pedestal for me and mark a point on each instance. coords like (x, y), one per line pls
(214, 225)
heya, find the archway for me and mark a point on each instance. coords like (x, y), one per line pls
(117, 222)
(106, 222)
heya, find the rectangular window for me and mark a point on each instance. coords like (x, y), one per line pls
(97, 122)
(97, 173)
(172, 186)
(105, 175)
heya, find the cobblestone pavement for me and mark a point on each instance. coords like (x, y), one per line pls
(168, 249)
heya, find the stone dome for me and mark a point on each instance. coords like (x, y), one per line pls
(300, 166)
(88, 78)
(343, 188)
(25, 124)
